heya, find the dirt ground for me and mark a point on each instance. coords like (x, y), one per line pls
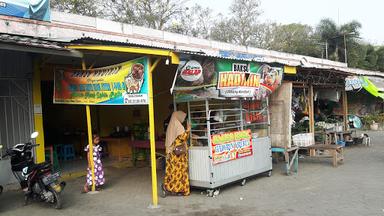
(354, 188)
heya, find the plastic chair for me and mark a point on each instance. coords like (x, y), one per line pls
(52, 157)
(69, 152)
(59, 149)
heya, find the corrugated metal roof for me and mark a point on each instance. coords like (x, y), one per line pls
(303, 63)
(29, 41)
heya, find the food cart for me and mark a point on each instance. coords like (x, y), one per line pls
(227, 105)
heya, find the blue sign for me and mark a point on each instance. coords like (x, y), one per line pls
(243, 56)
(30, 9)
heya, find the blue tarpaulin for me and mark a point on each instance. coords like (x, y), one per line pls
(30, 9)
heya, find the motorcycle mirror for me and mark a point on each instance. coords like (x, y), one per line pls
(34, 135)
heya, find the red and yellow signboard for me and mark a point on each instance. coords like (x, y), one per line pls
(222, 79)
(231, 146)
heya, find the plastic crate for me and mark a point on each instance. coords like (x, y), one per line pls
(303, 140)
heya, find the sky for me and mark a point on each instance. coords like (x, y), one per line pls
(370, 13)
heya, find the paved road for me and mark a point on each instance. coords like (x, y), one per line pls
(355, 188)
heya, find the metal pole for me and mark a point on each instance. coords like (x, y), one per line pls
(345, 50)
(152, 132)
(90, 141)
(189, 121)
(241, 115)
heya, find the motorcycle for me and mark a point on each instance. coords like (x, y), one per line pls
(36, 180)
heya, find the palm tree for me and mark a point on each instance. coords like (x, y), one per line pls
(337, 37)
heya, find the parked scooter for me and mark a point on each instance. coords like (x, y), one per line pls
(36, 180)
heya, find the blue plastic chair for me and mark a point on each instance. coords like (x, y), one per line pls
(69, 152)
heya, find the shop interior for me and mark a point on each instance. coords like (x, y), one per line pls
(119, 126)
(327, 111)
(319, 106)
(327, 108)
(226, 116)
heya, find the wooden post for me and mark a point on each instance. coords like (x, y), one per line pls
(345, 109)
(311, 110)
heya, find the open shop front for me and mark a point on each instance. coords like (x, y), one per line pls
(314, 102)
(110, 96)
(227, 106)
(366, 101)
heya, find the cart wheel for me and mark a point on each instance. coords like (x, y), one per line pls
(216, 192)
(243, 182)
(210, 193)
(163, 193)
(213, 193)
(269, 173)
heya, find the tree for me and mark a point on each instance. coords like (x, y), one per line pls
(195, 21)
(222, 30)
(295, 38)
(334, 35)
(154, 14)
(241, 26)
(380, 59)
(244, 20)
(262, 37)
(82, 7)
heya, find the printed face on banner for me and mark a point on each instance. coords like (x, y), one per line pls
(121, 84)
(231, 146)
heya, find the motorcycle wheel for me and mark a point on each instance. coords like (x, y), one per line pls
(57, 202)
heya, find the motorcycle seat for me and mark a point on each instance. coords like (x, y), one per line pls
(44, 165)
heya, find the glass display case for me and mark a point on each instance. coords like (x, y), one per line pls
(229, 141)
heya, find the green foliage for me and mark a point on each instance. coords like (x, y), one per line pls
(338, 36)
(83, 7)
(156, 14)
(244, 19)
(373, 118)
(295, 38)
(195, 21)
(221, 31)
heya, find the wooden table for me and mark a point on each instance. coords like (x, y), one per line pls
(336, 152)
(121, 148)
(291, 157)
(331, 137)
(118, 148)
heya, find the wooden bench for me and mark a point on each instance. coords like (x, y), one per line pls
(336, 152)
